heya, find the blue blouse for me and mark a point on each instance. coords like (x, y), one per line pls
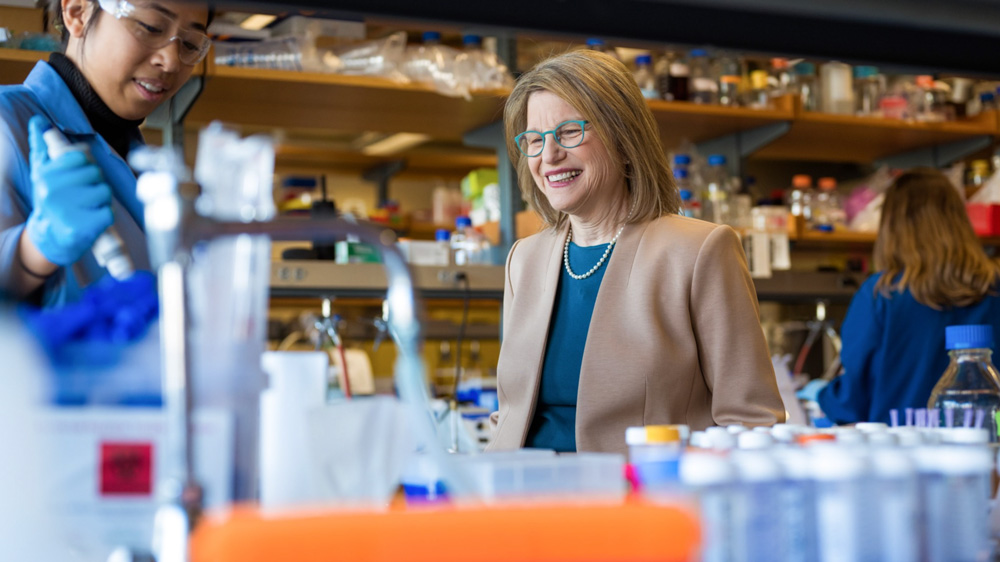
(893, 353)
(554, 423)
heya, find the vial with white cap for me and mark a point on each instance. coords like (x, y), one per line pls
(955, 484)
(758, 533)
(843, 512)
(720, 439)
(712, 477)
(897, 501)
(798, 504)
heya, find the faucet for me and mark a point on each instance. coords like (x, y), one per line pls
(173, 229)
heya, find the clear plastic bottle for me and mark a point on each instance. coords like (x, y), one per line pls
(717, 190)
(730, 74)
(806, 86)
(596, 44)
(461, 242)
(800, 196)
(703, 86)
(955, 498)
(781, 79)
(844, 492)
(867, 90)
(758, 533)
(987, 101)
(645, 78)
(929, 101)
(478, 69)
(661, 73)
(827, 210)
(690, 206)
(970, 383)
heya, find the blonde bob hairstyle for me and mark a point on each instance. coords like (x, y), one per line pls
(926, 244)
(604, 92)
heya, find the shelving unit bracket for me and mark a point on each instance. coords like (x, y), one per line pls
(169, 117)
(491, 136)
(937, 156)
(739, 145)
(380, 176)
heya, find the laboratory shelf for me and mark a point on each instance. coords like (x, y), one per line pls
(317, 278)
(282, 98)
(15, 64)
(824, 137)
(680, 120)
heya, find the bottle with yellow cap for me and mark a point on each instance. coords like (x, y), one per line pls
(759, 96)
(654, 453)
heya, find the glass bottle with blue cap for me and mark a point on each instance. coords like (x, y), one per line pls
(968, 393)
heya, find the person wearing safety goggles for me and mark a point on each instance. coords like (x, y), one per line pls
(120, 61)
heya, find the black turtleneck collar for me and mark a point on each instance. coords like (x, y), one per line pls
(118, 132)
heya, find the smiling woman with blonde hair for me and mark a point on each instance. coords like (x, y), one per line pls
(620, 313)
(932, 272)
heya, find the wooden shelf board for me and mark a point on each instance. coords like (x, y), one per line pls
(698, 122)
(839, 138)
(15, 64)
(275, 98)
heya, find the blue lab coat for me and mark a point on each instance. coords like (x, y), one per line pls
(45, 93)
(893, 353)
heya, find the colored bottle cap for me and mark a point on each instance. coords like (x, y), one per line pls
(805, 69)
(431, 36)
(686, 195)
(972, 336)
(681, 160)
(865, 71)
(680, 173)
(779, 63)
(802, 180)
(662, 434)
(814, 438)
(644, 59)
(827, 184)
(462, 222)
(699, 53)
(442, 235)
(595, 42)
(925, 81)
(716, 160)
(986, 96)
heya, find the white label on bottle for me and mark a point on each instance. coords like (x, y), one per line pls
(704, 85)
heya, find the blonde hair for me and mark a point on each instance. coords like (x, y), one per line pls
(604, 92)
(926, 244)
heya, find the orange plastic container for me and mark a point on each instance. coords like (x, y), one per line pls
(632, 532)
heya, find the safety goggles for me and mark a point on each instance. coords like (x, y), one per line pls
(155, 28)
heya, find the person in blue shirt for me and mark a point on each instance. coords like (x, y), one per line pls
(121, 60)
(932, 272)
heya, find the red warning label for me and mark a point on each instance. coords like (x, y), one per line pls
(126, 469)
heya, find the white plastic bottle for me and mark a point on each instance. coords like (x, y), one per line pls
(645, 78)
(897, 501)
(838, 88)
(848, 530)
(712, 477)
(955, 484)
(758, 533)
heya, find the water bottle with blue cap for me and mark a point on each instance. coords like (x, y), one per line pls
(968, 393)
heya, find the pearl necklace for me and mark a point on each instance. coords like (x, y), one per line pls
(604, 258)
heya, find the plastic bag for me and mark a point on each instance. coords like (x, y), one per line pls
(864, 204)
(381, 57)
(435, 65)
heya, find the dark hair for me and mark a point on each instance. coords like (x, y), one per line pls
(56, 17)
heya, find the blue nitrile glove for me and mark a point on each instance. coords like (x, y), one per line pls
(811, 390)
(71, 199)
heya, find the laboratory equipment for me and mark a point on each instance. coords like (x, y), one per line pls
(969, 389)
(108, 249)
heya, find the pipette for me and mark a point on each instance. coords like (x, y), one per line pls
(108, 249)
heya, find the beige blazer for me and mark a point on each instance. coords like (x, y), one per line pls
(675, 336)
